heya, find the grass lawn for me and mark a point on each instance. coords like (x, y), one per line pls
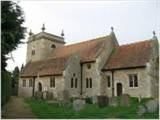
(45, 110)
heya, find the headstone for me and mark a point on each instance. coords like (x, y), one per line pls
(66, 96)
(113, 101)
(63, 97)
(38, 95)
(103, 101)
(139, 98)
(49, 95)
(125, 100)
(152, 105)
(141, 110)
(78, 104)
(45, 95)
(94, 99)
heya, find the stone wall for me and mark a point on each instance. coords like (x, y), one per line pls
(121, 76)
(73, 70)
(45, 81)
(24, 91)
(92, 73)
(42, 49)
(153, 69)
(95, 71)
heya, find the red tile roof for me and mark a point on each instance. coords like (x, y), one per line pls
(129, 56)
(56, 61)
(31, 69)
(88, 50)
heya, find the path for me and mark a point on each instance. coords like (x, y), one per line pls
(16, 108)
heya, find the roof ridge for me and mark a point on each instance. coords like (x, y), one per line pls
(149, 40)
(89, 40)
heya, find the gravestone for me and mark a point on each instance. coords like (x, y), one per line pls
(152, 105)
(102, 101)
(38, 95)
(78, 104)
(44, 95)
(49, 95)
(125, 100)
(141, 110)
(94, 99)
(66, 96)
(113, 101)
(63, 97)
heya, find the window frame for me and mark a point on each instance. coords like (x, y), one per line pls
(133, 80)
(24, 83)
(76, 82)
(72, 82)
(87, 83)
(52, 82)
(108, 81)
(30, 83)
(90, 82)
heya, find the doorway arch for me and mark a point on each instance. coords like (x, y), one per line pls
(119, 89)
(40, 87)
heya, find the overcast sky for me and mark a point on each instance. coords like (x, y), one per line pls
(132, 21)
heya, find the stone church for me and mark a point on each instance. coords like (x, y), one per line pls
(90, 68)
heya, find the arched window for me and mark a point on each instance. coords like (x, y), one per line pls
(90, 82)
(89, 66)
(71, 82)
(87, 82)
(76, 81)
(53, 46)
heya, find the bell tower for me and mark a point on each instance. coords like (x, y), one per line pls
(40, 45)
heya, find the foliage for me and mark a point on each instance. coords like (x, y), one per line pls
(6, 90)
(45, 110)
(12, 32)
(15, 77)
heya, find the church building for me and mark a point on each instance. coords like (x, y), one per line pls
(90, 68)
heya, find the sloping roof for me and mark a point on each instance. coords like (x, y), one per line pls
(53, 66)
(31, 69)
(129, 56)
(56, 61)
(88, 50)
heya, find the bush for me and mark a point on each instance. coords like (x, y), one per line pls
(88, 100)
(6, 86)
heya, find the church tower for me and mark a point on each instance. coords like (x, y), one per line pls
(40, 45)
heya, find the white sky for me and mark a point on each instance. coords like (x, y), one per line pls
(132, 21)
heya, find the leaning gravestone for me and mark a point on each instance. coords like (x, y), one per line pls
(125, 100)
(78, 104)
(152, 105)
(141, 110)
(113, 101)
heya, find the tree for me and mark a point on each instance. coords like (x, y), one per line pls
(15, 77)
(12, 32)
